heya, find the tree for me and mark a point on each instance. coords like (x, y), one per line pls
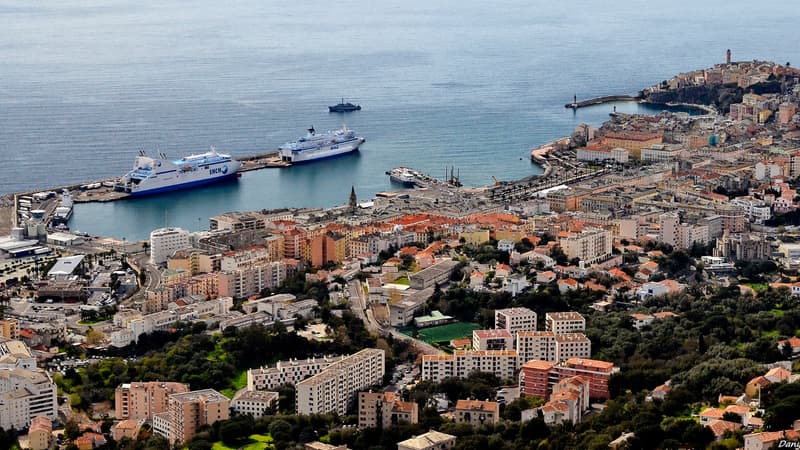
(71, 430)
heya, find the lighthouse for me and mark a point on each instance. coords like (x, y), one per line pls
(728, 57)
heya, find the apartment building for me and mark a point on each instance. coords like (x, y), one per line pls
(254, 403)
(497, 339)
(564, 322)
(166, 241)
(239, 259)
(572, 345)
(515, 320)
(385, 409)
(191, 410)
(25, 394)
(538, 377)
(291, 372)
(552, 347)
(335, 389)
(247, 281)
(9, 329)
(539, 345)
(142, 400)
(590, 246)
(476, 412)
(502, 363)
(40, 433)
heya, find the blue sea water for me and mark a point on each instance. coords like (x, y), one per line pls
(86, 84)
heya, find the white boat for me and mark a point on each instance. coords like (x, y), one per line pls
(319, 146)
(63, 211)
(156, 175)
(404, 176)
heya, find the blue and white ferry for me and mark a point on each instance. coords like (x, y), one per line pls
(318, 146)
(155, 175)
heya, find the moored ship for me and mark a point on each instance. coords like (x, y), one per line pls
(318, 146)
(156, 175)
(344, 107)
(403, 175)
(63, 211)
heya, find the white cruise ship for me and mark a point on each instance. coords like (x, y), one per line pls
(318, 146)
(155, 175)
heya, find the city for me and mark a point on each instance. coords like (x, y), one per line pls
(642, 293)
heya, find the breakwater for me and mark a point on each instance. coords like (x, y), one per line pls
(600, 100)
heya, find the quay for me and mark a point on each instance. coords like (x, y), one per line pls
(600, 100)
(104, 191)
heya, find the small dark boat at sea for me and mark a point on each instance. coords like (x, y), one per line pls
(344, 107)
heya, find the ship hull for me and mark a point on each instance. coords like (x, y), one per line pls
(307, 156)
(181, 186)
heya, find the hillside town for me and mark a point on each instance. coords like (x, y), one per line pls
(642, 293)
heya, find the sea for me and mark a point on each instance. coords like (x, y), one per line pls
(470, 85)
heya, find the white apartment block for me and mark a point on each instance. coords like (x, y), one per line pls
(590, 246)
(287, 372)
(165, 319)
(254, 256)
(564, 322)
(165, 241)
(572, 345)
(660, 153)
(689, 234)
(336, 388)
(552, 347)
(515, 320)
(254, 403)
(536, 345)
(247, 281)
(502, 363)
(619, 155)
(14, 354)
(25, 394)
(496, 339)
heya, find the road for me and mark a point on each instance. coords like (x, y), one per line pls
(358, 304)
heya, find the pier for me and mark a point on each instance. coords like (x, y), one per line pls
(600, 100)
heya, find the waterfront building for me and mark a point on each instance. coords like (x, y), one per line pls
(502, 363)
(191, 410)
(602, 153)
(477, 413)
(590, 246)
(164, 242)
(515, 319)
(335, 388)
(633, 141)
(564, 322)
(385, 409)
(142, 400)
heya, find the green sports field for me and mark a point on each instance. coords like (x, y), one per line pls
(445, 333)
